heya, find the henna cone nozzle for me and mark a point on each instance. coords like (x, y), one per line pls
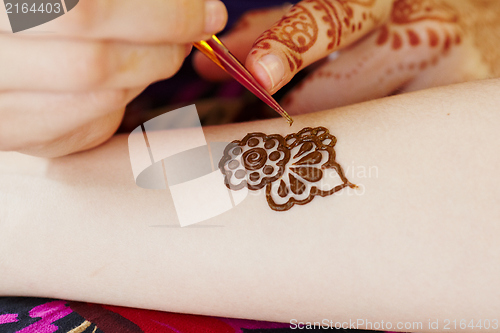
(216, 51)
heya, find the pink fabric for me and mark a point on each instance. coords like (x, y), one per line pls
(8, 318)
(49, 313)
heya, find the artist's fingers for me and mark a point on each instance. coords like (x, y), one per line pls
(60, 123)
(310, 31)
(76, 65)
(176, 21)
(240, 40)
(420, 48)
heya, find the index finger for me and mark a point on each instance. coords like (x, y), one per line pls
(153, 21)
(310, 31)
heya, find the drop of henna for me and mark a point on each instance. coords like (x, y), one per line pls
(447, 44)
(397, 41)
(383, 37)
(433, 38)
(254, 176)
(240, 174)
(282, 189)
(296, 185)
(307, 146)
(253, 142)
(269, 144)
(414, 39)
(268, 170)
(233, 164)
(274, 156)
(237, 151)
(349, 11)
(311, 158)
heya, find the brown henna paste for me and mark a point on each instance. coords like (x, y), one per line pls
(407, 12)
(293, 169)
(298, 30)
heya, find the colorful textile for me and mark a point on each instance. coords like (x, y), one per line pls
(44, 315)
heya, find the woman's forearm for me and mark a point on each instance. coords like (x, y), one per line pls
(417, 241)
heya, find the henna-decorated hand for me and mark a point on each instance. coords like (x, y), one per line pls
(385, 46)
(425, 43)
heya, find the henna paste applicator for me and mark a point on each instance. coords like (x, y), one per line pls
(216, 51)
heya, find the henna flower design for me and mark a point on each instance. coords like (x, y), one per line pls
(254, 162)
(294, 169)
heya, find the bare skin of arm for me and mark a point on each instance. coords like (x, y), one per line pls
(420, 242)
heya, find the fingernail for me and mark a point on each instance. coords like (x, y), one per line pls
(215, 16)
(273, 65)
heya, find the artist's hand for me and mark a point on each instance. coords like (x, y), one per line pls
(64, 85)
(385, 46)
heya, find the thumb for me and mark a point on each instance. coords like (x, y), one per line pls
(311, 30)
(239, 40)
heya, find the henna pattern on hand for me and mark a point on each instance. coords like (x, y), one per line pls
(400, 32)
(408, 12)
(293, 169)
(298, 30)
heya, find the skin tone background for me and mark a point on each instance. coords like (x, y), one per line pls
(419, 244)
